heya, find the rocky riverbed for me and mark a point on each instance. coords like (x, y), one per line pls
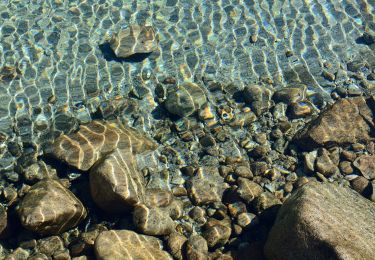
(225, 171)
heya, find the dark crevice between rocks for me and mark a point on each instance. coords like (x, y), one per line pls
(109, 55)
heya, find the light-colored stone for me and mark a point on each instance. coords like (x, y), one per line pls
(134, 39)
(323, 221)
(125, 244)
(50, 208)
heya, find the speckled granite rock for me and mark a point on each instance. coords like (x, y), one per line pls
(323, 221)
(50, 208)
(95, 140)
(347, 121)
(125, 244)
(185, 99)
(134, 39)
(152, 221)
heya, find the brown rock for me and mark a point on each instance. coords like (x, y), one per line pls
(97, 139)
(366, 165)
(248, 190)
(176, 242)
(125, 244)
(50, 245)
(116, 184)
(152, 221)
(323, 221)
(360, 184)
(196, 248)
(324, 164)
(333, 124)
(50, 208)
(217, 235)
(134, 39)
(206, 186)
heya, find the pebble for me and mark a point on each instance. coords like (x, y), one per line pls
(248, 190)
(346, 167)
(152, 221)
(196, 248)
(366, 165)
(176, 243)
(360, 184)
(264, 201)
(217, 235)
(243, 171)
(246, 220)
(185, 99)
(253, 38)
(328, 75)
(198, 214)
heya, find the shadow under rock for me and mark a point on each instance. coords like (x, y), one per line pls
(109, 55)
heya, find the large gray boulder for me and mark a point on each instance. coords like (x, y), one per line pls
(323, 221)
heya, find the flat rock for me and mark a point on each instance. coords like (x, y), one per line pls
(323, 221)
(50, 208)
(125, 244)
(95, 140)
(248, 190)
(347, 121)
(134, 39)
(366, 165)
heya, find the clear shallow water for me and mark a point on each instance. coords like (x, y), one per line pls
(55, 44)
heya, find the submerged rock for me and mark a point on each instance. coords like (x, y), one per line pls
(323, 221)
(93, 141)
(115, 183)
(152, 221)
(258, 97)
(134, 39)
(185, 99)
(125, 244)
(347, 121)
(50, 208)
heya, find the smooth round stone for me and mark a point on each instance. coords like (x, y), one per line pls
(185, 99)
(289, 95)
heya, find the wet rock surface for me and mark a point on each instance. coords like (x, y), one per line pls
(3, 220)
(322, 221)
(50, 208)
(332, 125)
(123, 244)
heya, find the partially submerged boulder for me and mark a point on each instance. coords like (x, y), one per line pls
(323, 221)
